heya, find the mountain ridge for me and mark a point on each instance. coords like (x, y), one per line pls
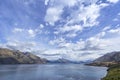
(107, 59)
(8, 56)
(66, 61)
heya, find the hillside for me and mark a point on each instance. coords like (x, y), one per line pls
(107, 60)
(109, 57)
(113, 73)
(16, 57)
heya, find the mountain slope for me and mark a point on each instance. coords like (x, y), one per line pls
(16, 57)
(110, 57)
(107, 60)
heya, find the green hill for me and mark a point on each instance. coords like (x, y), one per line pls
(113, 73)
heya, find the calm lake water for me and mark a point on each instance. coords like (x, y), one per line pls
(51, 72)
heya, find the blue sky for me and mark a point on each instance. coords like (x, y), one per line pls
(73, 29)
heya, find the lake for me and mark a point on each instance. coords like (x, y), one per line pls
(51, 72)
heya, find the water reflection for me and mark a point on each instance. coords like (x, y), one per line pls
(51, 72)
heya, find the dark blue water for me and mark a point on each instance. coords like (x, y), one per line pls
(51, 72)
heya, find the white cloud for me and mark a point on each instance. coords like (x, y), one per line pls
(71, 35)
(81, 50)
(42, 26)
(57, 41)
(64, 49)
(17, 30)
(84, 17)
(46, 2)
(63, 3)
(113, 1)
(87, 15)
(74, 28)
(116, 31)
(53, 14)
(32, 33)
(22, 46)
(90, 48)
(55, 10)
(106, 28)
(69, 3)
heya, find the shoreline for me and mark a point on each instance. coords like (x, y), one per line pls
(113, 73)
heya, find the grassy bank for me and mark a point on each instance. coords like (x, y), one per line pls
(113, 73)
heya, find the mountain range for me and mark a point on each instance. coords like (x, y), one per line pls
(66, 61)
(8, 56)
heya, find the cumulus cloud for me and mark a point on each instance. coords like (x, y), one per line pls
(94, 46)
(17, 30)
(31, 33)
(28, 33)
(86, 15)
(116, 31)
(106, 28)
(26, 39)
(113, 1)
(41, 26)
(71, 35)
(81, 50)
(57, 41)
(83, 14)
(69, 3)
(80, 15)
(53, 15)
(17, 45)
(54, 12)
(46, 2)
(71, 28)
(80, 19)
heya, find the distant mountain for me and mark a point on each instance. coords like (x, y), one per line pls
(64, 61)
(16, 57)
(107, 60)
(61, 60)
